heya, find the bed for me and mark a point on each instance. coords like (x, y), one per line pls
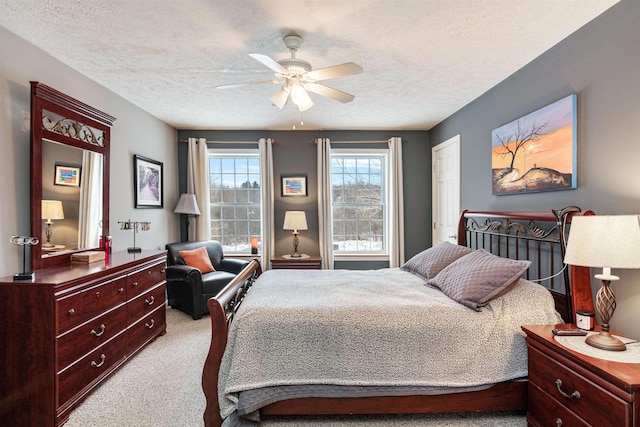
(288, 342)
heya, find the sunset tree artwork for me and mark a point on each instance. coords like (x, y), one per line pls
(536, 152)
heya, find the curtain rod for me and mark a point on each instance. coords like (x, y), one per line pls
(226, 142)
(382, 141)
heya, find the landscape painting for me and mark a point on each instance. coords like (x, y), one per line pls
(536, 152)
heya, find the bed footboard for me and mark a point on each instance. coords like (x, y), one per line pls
(222, 308)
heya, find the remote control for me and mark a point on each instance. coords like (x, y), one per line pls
(569, 332)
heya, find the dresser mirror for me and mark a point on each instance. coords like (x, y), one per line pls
(69, 176)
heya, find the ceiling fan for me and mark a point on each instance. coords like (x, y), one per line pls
(298, 77)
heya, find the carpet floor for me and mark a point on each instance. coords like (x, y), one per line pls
(160, 387)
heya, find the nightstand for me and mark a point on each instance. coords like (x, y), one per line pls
(567, 388)
(310, 263)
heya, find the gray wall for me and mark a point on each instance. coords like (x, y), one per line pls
(601, 64)
(134, 132)
(295, 152)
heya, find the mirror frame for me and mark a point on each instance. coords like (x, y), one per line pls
(78, 118)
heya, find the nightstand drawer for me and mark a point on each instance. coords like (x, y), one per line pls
(590, 402)
(545, 411)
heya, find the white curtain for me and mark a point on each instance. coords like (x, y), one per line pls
(197, 176)
(90, 209)
(396, 234)
(324, 202)
(266, 176)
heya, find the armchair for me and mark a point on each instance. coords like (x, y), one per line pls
(187, 288)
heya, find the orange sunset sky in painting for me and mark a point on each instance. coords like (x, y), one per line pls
(552, 150)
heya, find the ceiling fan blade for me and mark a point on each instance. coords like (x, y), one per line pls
(234, 85)
(341, 70)
(275, 66)
(329, 92)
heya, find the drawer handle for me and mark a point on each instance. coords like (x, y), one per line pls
(558, 422)
(99, 365)
(150, 324)
(134, 284)
(98, 334)
(71, 312)
(121, 290)
(574, 395)
(162, 271)
(150, 301)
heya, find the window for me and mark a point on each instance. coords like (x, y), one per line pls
(359, 201)
(235, 196)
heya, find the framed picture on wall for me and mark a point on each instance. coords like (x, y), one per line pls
(68, 175)
(294, 185)
(148, 179)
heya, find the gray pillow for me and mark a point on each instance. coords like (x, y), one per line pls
(477, 278)
(431, 261)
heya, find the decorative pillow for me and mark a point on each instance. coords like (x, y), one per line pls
(477, 278)
(198, 258)
(431, 261)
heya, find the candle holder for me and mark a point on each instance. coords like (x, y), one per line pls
(24, 241)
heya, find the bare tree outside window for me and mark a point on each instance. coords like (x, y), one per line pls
(358, 195)
(234, 188)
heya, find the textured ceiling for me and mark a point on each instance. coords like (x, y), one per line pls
(423, 59)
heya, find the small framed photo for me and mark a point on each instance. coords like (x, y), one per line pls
(66, 174)
(294, 185)
(148, 182)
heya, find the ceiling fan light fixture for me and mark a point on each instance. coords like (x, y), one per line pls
(299, 96)
(279, 99)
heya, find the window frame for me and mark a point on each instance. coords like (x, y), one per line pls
(233, 153)
(382, 255)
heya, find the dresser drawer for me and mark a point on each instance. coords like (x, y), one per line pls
(77, 308)
(546, 411)
(148, 327)
(80, 341)
(145, 303)
(141, 280)
(595, 405)
(85, 371)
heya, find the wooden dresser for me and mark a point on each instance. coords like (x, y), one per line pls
(65, 332)
(567, 388)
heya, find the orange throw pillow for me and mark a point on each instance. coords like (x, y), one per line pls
(199, 259)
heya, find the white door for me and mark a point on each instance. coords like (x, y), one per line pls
(446, 190)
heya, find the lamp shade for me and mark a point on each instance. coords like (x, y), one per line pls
(295, 220)
(607, 241)
(187, 205)
(52, 209)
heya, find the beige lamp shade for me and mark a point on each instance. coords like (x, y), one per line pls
(187, 205)
(607, 241)
(52, 209)
(295, 220)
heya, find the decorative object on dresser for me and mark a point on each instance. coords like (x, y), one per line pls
(51, 209)
(607, 241)
(134, 226)
(187, 205)
(308, 262)
(295, 220)
(68, 330)
(24, 241)
(189, 286)
(567, 388)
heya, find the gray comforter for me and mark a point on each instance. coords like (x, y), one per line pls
(373, 328)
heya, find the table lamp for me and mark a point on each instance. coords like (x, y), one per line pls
(187, 205)
(51, 209)
(607, 242)
(295, 220)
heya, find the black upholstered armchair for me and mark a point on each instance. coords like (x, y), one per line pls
(187, 288)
